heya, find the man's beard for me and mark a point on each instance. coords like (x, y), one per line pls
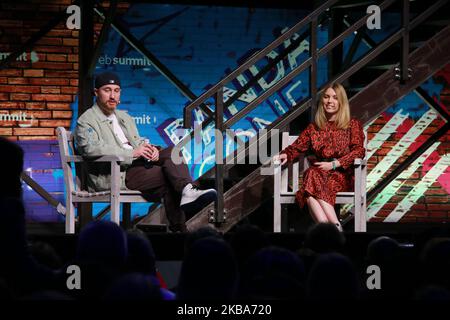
(108, 107)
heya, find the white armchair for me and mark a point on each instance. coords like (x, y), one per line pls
(75, 194)
(286, 182)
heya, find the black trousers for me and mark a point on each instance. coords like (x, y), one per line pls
(162, 179)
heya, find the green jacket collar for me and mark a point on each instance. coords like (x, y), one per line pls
(102, 117)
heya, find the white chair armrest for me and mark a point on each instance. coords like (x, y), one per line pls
(269, 168)
(110, 158)
(94, 159)
(73, 159)
(359, 161)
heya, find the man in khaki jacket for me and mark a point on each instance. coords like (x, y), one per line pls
(104, 130)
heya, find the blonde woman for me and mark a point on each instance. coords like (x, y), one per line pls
(335, 140)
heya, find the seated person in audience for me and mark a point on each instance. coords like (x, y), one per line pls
(336, 141)
(104, 130)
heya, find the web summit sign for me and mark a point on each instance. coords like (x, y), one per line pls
(107, 60)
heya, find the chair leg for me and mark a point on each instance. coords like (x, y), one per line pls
(70, 217)
(277, 215)
(115, 193)
(115, 211)
(126, 216)
(360, 217)
(363, 220)
(277, 200)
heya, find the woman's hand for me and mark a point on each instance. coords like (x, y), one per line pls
(327, 166)
(280, 158)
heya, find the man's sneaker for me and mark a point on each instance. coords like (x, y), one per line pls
(193, 199)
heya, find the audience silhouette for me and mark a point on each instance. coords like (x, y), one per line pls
(209, 271)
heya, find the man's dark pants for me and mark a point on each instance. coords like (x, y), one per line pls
(162, 179)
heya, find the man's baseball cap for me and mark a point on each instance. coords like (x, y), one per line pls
(106, 78)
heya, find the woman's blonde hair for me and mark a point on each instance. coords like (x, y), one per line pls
(343, 113)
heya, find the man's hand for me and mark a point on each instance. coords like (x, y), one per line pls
(155, 153)
(144, 150)
(280, 158)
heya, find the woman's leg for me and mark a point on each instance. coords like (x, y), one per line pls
(316, 211)
(329, 212)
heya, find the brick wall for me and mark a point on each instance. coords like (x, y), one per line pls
(433, 204)
(42, 86)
